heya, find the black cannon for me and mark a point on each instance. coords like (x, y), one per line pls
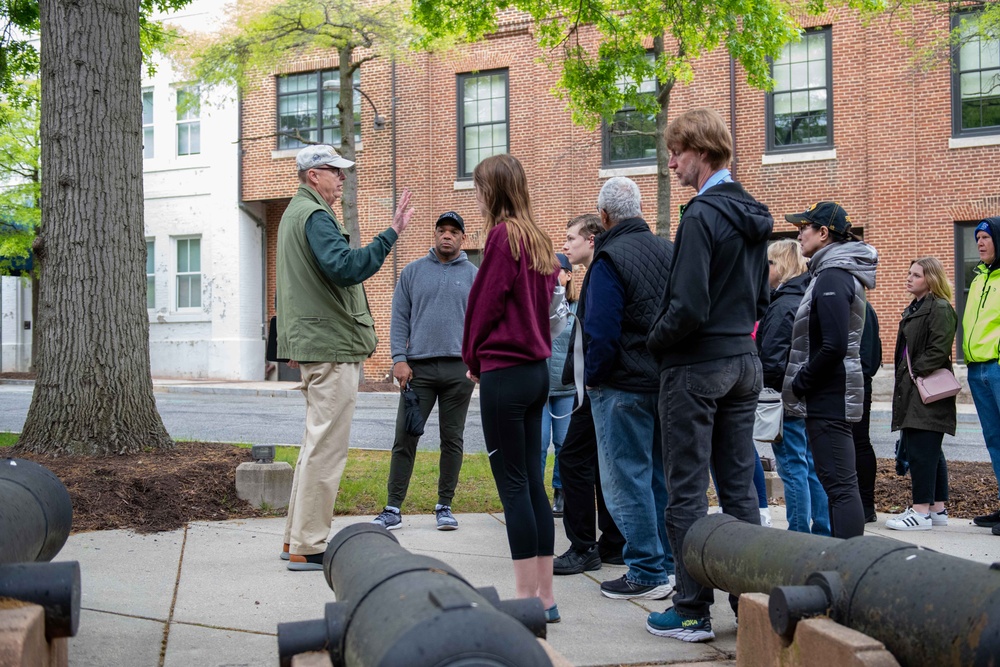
(398, 608)
(926, 607)
(53, 586)
(35, 512)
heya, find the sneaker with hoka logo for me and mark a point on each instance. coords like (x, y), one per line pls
(445, 519)
(390, 519)
(672, 624)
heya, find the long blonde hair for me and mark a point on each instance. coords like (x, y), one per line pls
(503, 187)
(934, 274)
(786, 255)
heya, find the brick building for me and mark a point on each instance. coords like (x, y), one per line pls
(911, 153)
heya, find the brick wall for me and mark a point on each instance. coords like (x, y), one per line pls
(893, 171)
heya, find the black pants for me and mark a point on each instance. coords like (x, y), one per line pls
(832, 445)
(581, 484)
(864, 454)
(441, 379)
(512, 400)
(927, 465)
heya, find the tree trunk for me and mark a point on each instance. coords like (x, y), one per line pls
(345, 106)
(662, 152)
(93, 393)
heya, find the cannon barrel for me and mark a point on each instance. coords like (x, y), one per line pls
(399, 608)
(35, 512)
(53, 586)
(927, 608)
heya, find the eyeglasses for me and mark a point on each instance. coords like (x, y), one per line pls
(336, 170)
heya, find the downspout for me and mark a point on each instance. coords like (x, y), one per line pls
(732, 113)
(392, 113)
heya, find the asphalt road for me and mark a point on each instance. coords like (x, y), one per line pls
(279, 420)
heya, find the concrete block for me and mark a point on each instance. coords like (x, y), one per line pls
(818, 642)
(775, 487)
(313, 659)
(22, 637)
(264, 483)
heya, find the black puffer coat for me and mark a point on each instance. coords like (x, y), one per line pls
(929, 333)
(774, 335)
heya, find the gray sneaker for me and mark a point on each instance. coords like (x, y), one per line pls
(389, 519)
(446, 520)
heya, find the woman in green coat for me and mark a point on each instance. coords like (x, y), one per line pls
(925, 339)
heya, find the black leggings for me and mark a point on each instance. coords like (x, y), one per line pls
(511, 400)
(832, 445)
(864, 454)
(927, 465)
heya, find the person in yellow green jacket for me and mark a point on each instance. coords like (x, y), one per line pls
(981, 345)
(326, 328)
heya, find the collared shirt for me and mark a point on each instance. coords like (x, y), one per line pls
(721, 176)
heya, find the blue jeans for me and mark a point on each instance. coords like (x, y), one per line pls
(630, 461)
(984, 382)
(707, 414)
(555, 423)
(805, 499)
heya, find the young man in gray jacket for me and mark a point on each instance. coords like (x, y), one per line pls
(425, 336)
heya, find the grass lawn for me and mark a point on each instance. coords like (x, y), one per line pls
(363, 486)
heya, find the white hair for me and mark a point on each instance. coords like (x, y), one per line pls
(620, 199)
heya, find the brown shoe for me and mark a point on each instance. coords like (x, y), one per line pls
(284, 551)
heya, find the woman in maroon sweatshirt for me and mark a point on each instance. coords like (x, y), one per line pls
(505, 346)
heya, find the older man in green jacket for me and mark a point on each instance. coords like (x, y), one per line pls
(326, 327)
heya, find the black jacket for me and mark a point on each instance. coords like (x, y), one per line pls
(774, 335)
(718, 287)
(642, 261)
(871, 347)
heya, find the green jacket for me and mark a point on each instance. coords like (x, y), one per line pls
(981, 322)
(323, 313)
(929, 333)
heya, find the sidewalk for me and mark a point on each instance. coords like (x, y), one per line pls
(213, 593)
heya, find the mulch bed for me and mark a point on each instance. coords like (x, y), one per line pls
(196, 481)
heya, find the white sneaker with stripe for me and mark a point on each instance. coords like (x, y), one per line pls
(910, 520)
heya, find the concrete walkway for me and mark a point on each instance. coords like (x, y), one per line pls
(214, 592)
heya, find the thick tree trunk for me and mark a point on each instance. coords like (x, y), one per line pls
(345, 107)
(662, 152)
(93, 393)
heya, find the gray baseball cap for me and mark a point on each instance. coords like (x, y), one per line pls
(320, 155)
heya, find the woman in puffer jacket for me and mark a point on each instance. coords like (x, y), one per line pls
(805, 500)
(923, 345)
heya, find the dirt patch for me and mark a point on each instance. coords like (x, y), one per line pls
(162, 490)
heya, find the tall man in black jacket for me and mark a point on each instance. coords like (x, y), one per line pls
(710, 375)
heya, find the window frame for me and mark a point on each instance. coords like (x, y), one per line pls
(956, 87)
(178, 274)
(148, 149)
(770, 145)
(187, 121)
(150, 275)
(321, 76)
(460, 79)
(606, 161)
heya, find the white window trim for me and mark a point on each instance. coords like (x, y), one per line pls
(152, 125)
(804, 156)
(174, 308)
(155, 290)
(641, 170)
(196, 90)
(465, 184)
(286, 153)
(974, 141)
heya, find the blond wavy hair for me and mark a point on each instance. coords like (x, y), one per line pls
(503, 189)
(936, 277)
(786, 257)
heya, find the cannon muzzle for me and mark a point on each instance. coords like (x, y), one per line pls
(53, 586)
(398, 608)
(36, 512)
(927, 608)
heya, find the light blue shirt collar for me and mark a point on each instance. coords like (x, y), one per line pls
(721, 176)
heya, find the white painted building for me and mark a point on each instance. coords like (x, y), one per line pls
(205, 251)
(15, 324)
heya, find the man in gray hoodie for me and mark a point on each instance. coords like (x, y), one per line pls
(425, 338)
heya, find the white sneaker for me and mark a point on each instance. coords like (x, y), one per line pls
(909, 520)
(765, 517)
(939, 518)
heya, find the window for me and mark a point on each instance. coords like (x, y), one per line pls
(966, 261)
(975, 80)
(147, 122)
(150, 275)
(188, 121)
(307, 108)
(188, 273)
(482, 118)
(630, 137)
(800, 107)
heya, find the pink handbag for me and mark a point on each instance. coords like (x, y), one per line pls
(942, 383)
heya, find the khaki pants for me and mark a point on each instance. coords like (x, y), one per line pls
(331, 392)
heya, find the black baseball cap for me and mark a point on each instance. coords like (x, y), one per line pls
(564, 262)
(827, 214)
(451, 218)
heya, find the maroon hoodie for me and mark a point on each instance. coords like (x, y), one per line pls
(507, 319)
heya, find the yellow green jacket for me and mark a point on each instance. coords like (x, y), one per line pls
(981, 322)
